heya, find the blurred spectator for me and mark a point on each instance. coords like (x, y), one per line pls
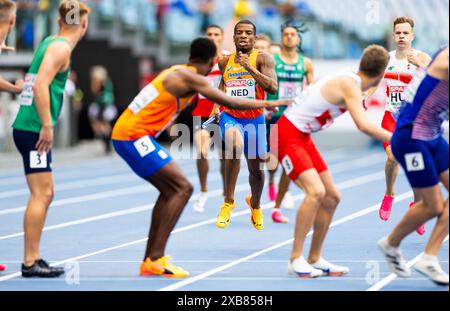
(206, 7)
(275, 48)
(243, 9)
(288, 10)
(263, 43)
(25, 24)
(102, 110)
(162, 7)
(73, 99)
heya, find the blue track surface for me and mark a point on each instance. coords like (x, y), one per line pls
(101, 214)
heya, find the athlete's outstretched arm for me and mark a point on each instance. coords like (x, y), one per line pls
(55, 59)
(439, 68)
(6, 86)
(223, 61)
(201, 85)
(353, 100)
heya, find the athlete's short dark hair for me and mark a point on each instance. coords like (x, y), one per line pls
(245, 22)
(404, 20)
(215, 26)
(202, 50)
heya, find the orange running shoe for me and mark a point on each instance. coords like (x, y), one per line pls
(257, 215)
(162, 267)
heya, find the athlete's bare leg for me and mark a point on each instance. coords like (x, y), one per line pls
(256, 180)
(234, 144)
(41, 189)
(324, 216)
(203, 141)
(314, 190)
(283, 187)
(391, 171)
(432, 205)
(175, 191)
(272, 165)
(440, 231)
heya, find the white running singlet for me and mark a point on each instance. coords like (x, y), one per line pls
(397, 77)
(311, 112)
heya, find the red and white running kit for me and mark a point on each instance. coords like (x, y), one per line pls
(310, 113)
(398, 74)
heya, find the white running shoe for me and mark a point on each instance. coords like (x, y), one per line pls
(303, 269)
(394, 258)
(199, 205)
(288, 201)
(430, 267)
(330, 269)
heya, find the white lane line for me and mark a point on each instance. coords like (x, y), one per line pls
(102, 181)
(345, 185)
(240, 188)
(134, 210)
(342, 167)
(391, 277)
(147, 281)
(332, 155)
(79, 184)
(209, 261)
(96, 196)
(209, 273)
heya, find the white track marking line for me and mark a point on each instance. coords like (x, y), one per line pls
(209, 273)
(331, 155)
(129, 211)
(101, 181)
(341, 186)
(216, 193)
(79, 184)
(391, 277)
(342, 167)
(208, 261)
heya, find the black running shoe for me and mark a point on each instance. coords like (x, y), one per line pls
(41, 269)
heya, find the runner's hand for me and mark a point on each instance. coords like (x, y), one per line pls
(19, 85)
(4, 47)
(243, 60)
(268, 114)
(413, 59)
(45, 141)
(274, 104)
(216, 112)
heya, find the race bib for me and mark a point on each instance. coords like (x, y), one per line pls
(289, 90)
(144, 146)
(214, 81)
(27, 95)
(145, 97)
(241, 88)
(414, 162)
(396, 95)
(38, 160)
(287, 165)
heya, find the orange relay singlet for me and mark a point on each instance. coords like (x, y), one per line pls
(152, 111)
(240, 83)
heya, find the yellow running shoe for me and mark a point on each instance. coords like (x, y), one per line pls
(223, 220)
(257, 215)
(162, 267)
